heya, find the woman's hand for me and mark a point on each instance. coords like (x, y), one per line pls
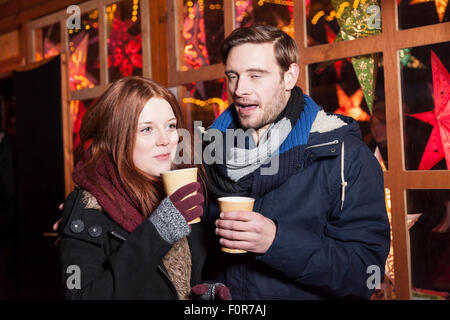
(190, 206)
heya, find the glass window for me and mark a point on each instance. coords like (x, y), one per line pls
(202, 34)
(338, 20)
(77, 110)
(416, 13)
(124, 39)
(276, 13)
(204, 101)
(425, 97)
(47, 42)
(429, 232)
(84, 63)
(354, 87)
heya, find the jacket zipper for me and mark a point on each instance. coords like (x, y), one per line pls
(169, 281)
(323, 144)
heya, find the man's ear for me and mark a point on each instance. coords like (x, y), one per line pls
(291, 76)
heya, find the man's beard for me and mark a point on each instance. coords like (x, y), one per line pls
(271, 110)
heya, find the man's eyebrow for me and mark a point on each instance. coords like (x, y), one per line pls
(248, 70)
(257, 70)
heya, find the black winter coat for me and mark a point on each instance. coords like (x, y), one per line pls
(111, 263)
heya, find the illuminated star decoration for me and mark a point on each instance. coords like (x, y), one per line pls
(441, 6)
(77, 110)
(351, 106)
(353, 20)
(78, 77)
(125, 49)
(195, 52)
(438, 145)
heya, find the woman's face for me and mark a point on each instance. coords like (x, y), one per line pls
(156, 138)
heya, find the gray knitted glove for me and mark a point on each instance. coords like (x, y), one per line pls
(169, 222)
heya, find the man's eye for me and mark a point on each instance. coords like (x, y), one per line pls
(232, 77)
(253, 76)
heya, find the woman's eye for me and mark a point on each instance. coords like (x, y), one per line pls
(173, 126)
(146, 129)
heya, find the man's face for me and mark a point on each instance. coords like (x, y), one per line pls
(256, 85)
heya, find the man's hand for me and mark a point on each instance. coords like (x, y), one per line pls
(249, 231)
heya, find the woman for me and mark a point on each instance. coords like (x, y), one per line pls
(122, 237)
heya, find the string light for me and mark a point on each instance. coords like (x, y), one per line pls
(336, 15)
(135, 10)
(280, 2)
(204, 103)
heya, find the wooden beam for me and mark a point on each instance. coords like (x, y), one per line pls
(67, 126)
(394, 132)
(159, 34)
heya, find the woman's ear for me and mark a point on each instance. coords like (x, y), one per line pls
(291, 76)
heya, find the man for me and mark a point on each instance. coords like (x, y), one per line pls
(319, 226)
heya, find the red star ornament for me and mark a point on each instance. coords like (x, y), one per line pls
(438, 145)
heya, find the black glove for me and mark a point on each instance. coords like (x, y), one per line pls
(210, 291)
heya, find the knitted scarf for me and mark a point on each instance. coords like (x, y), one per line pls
(109, 191)
(243, 171)
(116, 202)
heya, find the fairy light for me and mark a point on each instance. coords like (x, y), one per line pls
(333, 14)
(204, 103)
(279, 2)
(135, 10)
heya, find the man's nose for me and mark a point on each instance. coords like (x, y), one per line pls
(242, 87)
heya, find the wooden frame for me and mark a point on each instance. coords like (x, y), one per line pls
(397, 179)
(88, 93)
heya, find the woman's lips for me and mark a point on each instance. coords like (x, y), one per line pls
(163, 156)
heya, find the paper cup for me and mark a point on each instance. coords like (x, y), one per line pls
(227, 204)
(175, 179)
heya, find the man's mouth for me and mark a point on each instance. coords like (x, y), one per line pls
(246, 108)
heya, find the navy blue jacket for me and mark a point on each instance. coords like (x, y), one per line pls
(331, 223)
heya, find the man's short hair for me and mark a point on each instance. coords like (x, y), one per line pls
(285, 48)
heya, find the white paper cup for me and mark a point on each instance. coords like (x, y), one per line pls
(227, 204)
(175, 179)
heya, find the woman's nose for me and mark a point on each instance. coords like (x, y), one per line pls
(162, 138)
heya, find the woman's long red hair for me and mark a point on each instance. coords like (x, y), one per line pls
(109, 127)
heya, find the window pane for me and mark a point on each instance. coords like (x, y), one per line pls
(416, 13)
(202, 34)
(204, 101)
(77, 110)
(84, 63)
(338, 20)
(275, 13)
(426, 107)
(124, 39)
(354, 87)
(429, 227)
(47, 42)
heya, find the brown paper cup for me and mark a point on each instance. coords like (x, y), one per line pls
(227, 204)
(175, 179)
